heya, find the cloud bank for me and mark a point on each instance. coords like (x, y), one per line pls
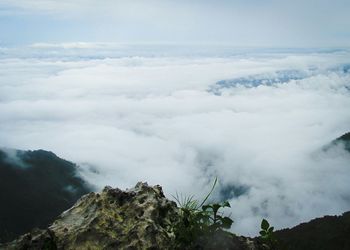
(157, 118)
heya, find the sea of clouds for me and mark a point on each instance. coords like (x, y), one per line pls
(255, 119)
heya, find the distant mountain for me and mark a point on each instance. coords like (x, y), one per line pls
(252, 81)
(344, 139)
(327, 233)
(35, 187)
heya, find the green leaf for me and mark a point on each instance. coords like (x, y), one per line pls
(226, 222)
(212, 189)
(270, 229)
(265, 225)
(205, 207)
(216, 207)
(225, 204)
(266, 236)
(262, 232)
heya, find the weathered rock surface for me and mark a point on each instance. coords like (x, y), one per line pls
(138, 218)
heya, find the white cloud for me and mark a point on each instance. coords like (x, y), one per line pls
(76, 45)
(152, 119)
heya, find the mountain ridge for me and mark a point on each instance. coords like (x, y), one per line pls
(35, 187)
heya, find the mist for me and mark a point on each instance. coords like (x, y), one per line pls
(257, 120)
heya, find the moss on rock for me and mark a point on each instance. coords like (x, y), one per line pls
(138, 218)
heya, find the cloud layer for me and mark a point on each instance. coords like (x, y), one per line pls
(155, 118)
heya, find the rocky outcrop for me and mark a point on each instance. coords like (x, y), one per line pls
(138, 218)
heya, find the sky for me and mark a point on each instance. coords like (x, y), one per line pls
(255, 23)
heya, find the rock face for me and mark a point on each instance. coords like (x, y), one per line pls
(35, 187)
(138, 218)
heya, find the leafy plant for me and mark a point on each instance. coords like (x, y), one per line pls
(198, 221)
(267, 235)
(216, 220)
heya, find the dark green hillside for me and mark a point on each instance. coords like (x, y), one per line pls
(345, 140)
(342, 141)
(327, 233)
(35, 187)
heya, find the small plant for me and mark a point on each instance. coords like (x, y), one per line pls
(217, 221)
(198, 221)
(267, 235)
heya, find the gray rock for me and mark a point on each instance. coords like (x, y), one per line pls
(138, 218)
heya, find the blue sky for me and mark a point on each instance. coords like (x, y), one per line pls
(266, 23)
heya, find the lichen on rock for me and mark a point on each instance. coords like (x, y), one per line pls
(138, 218)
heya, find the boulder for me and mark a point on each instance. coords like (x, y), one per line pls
(137, 218)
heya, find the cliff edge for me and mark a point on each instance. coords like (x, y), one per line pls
(137, 218)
